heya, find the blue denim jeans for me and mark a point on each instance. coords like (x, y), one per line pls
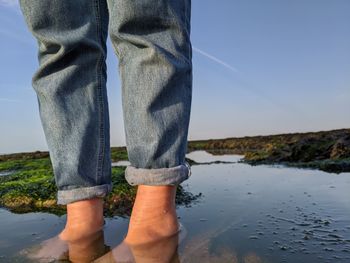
(151, 39)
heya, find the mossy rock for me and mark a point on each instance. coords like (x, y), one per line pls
(30, 187)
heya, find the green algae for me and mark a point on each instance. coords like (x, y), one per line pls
(30, 187)
(325, 150)
(119, 154)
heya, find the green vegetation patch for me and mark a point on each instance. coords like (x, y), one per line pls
(324, 150)
(29, 186)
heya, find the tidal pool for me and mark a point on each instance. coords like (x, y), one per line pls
(245, 214)
(5, 173)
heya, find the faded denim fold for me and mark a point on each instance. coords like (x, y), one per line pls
(151, 39)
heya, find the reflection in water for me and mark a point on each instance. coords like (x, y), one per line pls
(205, 157)
(3, 173)
(248, 214)
(277, 214)
(92, 248)
(164, 250)
(120, 163)
(55, 249)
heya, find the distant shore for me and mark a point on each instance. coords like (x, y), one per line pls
(27, 182)
(324, 150)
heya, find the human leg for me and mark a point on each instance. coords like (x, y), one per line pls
(70, 84)
(152, 41)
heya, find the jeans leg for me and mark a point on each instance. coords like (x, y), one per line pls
(70, 84)
(152, 41)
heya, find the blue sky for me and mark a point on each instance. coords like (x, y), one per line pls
(260, 67)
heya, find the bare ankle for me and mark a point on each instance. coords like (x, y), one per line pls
(164, 194)
(83, 218)
(153, 215)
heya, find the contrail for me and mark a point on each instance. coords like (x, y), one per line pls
(223, 63)
(247, 85)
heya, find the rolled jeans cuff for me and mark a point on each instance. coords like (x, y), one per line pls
(65, 197)
(158, 176)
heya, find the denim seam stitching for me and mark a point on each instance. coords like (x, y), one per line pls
(100, 99)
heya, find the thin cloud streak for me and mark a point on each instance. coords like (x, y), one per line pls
(247, 85)
(223, 63)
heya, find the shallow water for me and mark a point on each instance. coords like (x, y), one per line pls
(120, 163)
(5, 173)
(246, 214)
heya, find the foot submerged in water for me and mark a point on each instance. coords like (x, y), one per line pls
(163, 250)
(154, 231)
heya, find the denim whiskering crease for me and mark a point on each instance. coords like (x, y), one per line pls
(151, 39)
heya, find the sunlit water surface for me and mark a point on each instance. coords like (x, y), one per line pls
(246, 214)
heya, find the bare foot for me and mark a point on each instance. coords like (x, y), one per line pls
(163, 250)
(83, 226)
(154, 232)
(120, 254)
(83, 219)
(153, 216)
(87, 249)
(48, 251)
